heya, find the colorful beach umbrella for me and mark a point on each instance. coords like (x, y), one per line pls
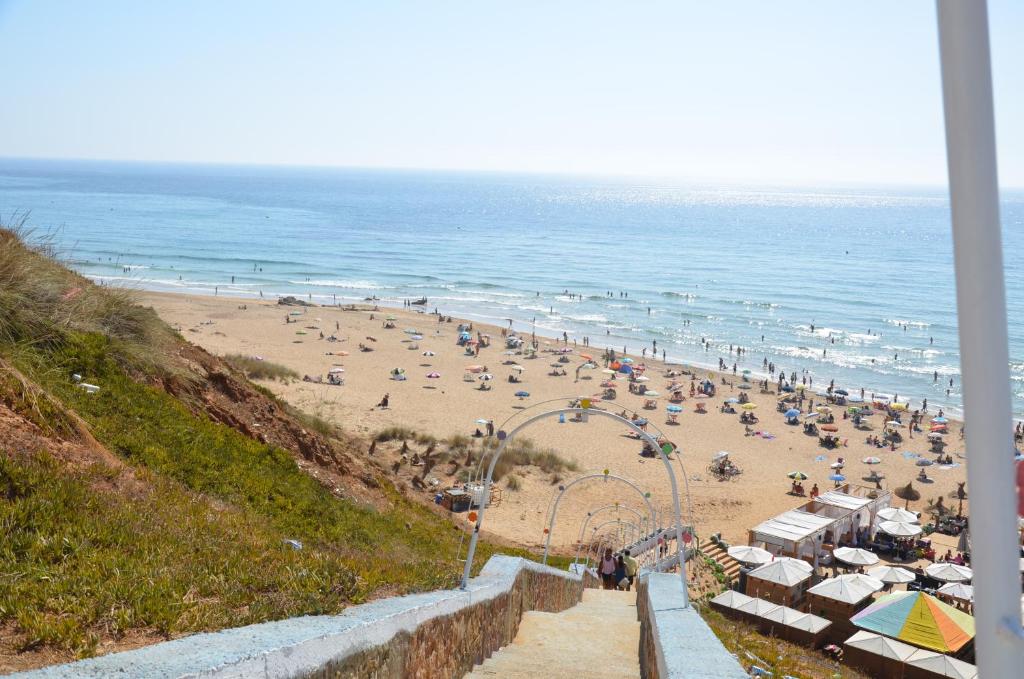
(732, 399)
(872, 460)
(939, 420)
(674, 408)
(749, 406)
(626, 360)
(922, 462)
(792, 412)
(829, 427)
(487, 377)
(838, 478)
(398, 371)
(429, 353)
(522, 394)
(919, 619)
(433, 375)
(797, 476)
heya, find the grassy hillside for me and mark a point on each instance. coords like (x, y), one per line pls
(186, 527)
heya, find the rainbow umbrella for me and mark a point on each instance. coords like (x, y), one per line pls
(919, 619)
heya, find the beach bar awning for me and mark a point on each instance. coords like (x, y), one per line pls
(786, 572)
(942, 665)
(789, 529)
(848, 589)
(842, 500)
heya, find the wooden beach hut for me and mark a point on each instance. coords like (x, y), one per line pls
(839, 599)
(877, 655)
(782, 581)
(795, 626)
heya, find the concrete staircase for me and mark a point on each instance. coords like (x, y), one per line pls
(598, 637)
(715, 551)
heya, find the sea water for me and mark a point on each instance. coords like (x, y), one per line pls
(851, 285)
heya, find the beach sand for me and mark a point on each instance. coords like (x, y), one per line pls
(448, 405)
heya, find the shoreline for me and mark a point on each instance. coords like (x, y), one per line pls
(449, 405)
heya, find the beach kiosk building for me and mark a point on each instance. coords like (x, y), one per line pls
(795, 533)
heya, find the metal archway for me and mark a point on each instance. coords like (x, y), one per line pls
(587, 477)
(584, 413)
(620, 522)
(591, 514)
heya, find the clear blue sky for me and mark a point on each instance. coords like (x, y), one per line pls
(775, 92)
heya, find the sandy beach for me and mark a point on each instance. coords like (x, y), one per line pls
(449, 405)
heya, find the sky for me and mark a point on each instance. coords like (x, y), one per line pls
(788, 92)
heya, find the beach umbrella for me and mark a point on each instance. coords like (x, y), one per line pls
(872, 460)
(522, 394)
(749, 406)
(855, 556)
(958, 590)
(650, 393)
(838, 478)
(587, 357)
(792, 412)
(744, 386)
(919, 619)
(841, 392)
(897, 514)
(588, 366)
(949, 572)
(836, 465)
(797, 476)
(893, 575)
(812, 416)
(899, 529)
(939, 420)
(673, 408)
(487, 377)
(565, 350)
(336, 369)
(824, 410)
(922, 462)
(750, 555)
(732, 399)
(411, 331)
(429, 353)
(510, 352)
(433, 375)
(829, 427)
(416, 338)
(606, 371)
(390, 318)
(398, 371)
(482, 421)
(518, 368)
(626, 360)
(626, 370)
(935, 436)
(788, 389)
(898, 406)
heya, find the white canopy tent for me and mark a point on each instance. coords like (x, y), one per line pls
(882, 646)
(942, 665)
(783, 571)
(847, 589)
(791, 617)
(794, 533)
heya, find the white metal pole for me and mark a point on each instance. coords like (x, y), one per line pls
(984, 355)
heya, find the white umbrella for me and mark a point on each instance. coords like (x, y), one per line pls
(518, 368)
(897, 514)
(751, 555)
(893, 575)
(958, 590)
(855, 556)
(650, 393)
(900, 529)
(949, 572)
(642, 378)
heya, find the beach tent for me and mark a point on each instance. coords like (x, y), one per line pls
(855, 556)
(898, 514)
(927, 664)
(892, 574)
(919, 619)
(756, 608)
(949, 572)
(747, 554)
(878, 656)
(900, 529)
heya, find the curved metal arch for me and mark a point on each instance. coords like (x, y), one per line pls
(591, 514)
(620, 522)
(588, 477)
(645, 436)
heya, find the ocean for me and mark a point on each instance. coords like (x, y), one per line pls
(853, 285)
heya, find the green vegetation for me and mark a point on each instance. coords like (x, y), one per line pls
(781, 658)
(193, 533)
(523, 452)
(256, 369)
